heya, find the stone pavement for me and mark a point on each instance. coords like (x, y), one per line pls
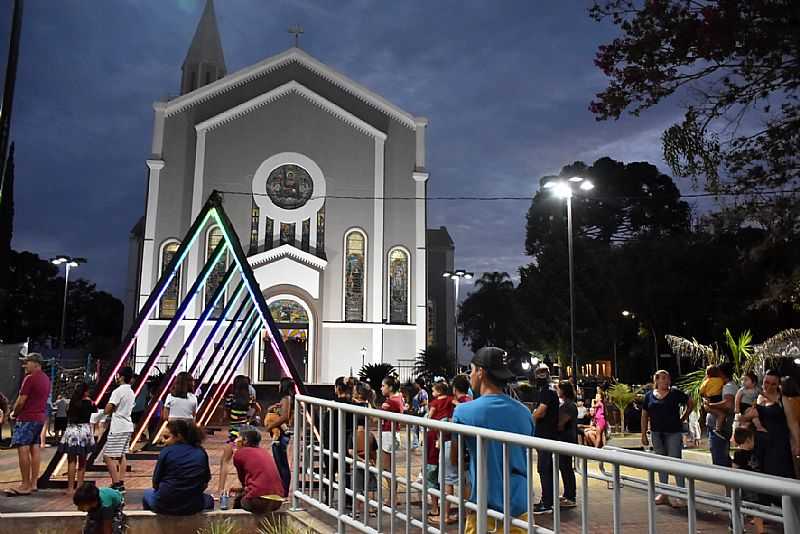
(634, 504)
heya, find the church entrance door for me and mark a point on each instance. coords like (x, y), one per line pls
(292, 317)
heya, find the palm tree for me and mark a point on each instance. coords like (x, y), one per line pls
(433, 362)
(488, 314)
(621, 395)
(741, 351)
(374, 373)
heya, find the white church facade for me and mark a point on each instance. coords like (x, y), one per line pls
(325, 184)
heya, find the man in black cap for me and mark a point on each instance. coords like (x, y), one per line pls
(495, 410)
(546, 416)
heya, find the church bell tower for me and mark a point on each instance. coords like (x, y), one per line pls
(205, 61)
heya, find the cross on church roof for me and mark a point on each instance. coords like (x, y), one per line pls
(296, 31)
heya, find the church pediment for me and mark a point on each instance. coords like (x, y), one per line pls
(292, 87)
(280, 61)
(287, 251)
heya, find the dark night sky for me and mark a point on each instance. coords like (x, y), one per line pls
(506, 86)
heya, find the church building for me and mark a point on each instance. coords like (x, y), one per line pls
(325, 183)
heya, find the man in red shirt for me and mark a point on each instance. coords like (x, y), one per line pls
(30, 413)
(262, 488)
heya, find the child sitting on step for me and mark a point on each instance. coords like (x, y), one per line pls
(103, 509)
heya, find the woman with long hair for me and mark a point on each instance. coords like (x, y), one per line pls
(662, 415)
(595, 434)
(181, 474)
(773, 447)
(78, 439)
(790, 390)
(181, 402)
(392, 402)
(280, 446)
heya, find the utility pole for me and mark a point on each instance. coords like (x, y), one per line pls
(8, 91)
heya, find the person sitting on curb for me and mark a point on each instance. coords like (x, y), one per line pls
(181, 474)
(262, 487)
(103, 507)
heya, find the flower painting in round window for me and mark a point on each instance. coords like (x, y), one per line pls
(289, 186)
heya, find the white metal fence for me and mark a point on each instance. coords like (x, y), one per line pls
(339, 484)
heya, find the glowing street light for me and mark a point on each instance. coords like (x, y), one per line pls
(69, 263)
(564, 188)
(456, 276)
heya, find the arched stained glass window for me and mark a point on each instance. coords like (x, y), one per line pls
(214, 238)
(172, 294)
(398, 286)
(355, 261)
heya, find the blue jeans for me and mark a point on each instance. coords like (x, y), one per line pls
(282, 462)
(668, 444)
(150, 502)
(720, 449)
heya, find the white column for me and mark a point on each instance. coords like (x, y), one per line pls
(420, 285)
(158, 130)
(195, 256)
(376, 252)
(149, 250)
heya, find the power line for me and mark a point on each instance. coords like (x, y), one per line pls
(522, 198)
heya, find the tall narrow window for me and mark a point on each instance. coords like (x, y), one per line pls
(306, 235)
(269, 229)
(321, 232)
(354, 263)
(172, 294)
(254, 216)
(287, 233)
(398, 286)
(213, 239)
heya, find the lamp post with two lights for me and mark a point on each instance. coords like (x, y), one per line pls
(565, 188)
(456, 276)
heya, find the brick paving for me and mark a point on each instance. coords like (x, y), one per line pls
(634, 503)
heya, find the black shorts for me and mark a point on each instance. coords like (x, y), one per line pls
(60, 424)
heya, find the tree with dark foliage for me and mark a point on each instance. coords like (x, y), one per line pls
(33, 309)
(736, 64)
(489, 315)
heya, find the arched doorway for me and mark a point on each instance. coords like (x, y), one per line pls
(294, 319)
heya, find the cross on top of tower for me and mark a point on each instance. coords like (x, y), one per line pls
(297, 31)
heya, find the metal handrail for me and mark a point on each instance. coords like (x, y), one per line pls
(709, 473)
(735, 480)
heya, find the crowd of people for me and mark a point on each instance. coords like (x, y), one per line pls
(182, 472)
(761, 421)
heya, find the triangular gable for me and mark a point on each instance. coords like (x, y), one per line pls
(251, 317)
(293, 55)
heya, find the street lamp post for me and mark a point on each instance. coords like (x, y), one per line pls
(68, 263)
(456, 276)
(564, 189)
(363, 354)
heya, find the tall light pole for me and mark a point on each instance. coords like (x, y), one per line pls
(69, 263)
(564, 188)
(456, 276)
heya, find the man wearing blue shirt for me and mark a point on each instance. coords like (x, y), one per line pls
(495, 410)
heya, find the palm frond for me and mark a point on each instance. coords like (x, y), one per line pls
(785, 344)
(692, 349)
(690, 384)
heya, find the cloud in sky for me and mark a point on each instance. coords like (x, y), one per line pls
(506, 86)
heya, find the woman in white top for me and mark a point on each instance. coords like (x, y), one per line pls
(181, 403)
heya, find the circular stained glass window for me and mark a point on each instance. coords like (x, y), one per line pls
(289, 186)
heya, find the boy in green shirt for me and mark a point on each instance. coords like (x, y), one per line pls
(103, 509)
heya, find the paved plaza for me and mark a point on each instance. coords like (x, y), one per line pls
(634, 504)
